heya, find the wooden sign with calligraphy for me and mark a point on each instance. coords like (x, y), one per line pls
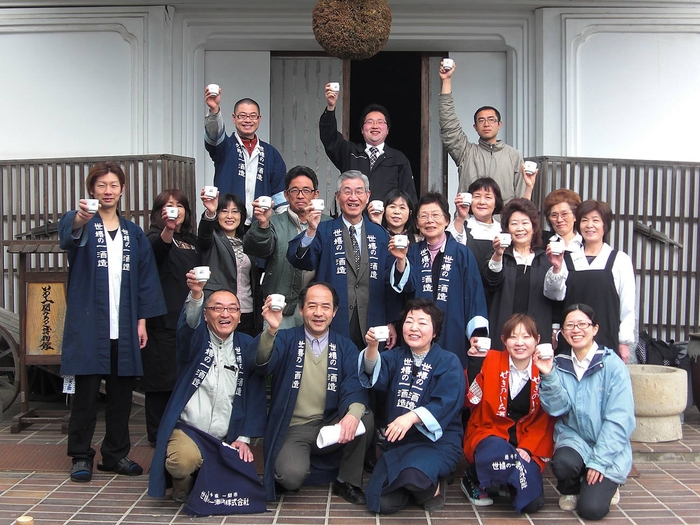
(46, 313)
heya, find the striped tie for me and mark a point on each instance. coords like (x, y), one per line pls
(355, 247)
(373, 155)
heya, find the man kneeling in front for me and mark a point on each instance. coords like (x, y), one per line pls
(314, 385)
(217, 399)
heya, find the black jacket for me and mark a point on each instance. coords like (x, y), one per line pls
(391, 171)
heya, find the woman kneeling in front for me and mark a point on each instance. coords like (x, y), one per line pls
(509, 435)
(589, 389)
(425, 391)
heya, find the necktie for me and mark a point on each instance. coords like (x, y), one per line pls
(355, 246)
(373, 154)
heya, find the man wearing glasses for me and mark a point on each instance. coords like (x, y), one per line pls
(217, 396)
(243, 164)
(351, 253)
(489, 157)
(387, 168)
(270, 234)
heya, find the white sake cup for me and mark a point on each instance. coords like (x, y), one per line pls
(93, 205)
(381, 333)
(483, 344)
(202, 273)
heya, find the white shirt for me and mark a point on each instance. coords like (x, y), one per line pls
(575, 244)
(114, 268)
(497, 266)
(251, 174)
(479, 230)
(517, 379)
(380, 148)
(580, 367)
(358, 232)
(209, 408)
(625, 284)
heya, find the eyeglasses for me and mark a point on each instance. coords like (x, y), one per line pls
(295, 191)
(245, 116)
(358, 192)
(490, 120)
(581, 325)
(435, 217)
(372, 122)
(220, 309)
(563, 215)
(230, 212)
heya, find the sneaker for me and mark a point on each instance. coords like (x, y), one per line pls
(474, 494)
(616, 498)
(568, 502)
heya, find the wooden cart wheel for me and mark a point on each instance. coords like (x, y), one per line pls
(9, 369)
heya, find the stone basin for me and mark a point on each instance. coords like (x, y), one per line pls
(660, 396)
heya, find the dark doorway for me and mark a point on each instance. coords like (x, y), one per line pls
(392, 79)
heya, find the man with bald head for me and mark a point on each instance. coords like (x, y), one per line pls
(215, 394)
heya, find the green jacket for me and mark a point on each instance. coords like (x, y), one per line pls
(270, 244)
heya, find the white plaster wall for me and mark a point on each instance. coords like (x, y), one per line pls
(637, 96)
(65, 94)
(85, 82)
(618, 83)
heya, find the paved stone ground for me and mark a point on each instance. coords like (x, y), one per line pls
(33, 481)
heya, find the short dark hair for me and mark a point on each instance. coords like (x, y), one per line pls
(300, 171)
(434, 197)
(430, 308)
(245, 100)
(487, 183)
(375, 107)
(528, 208)
(161, 200)
(103, 168)
(603, 210)
(328, 286)
(514, 320)
(224, 201)
(207, 300)
(392, 197)
(582, 308)
(559, 196)
(487, 108)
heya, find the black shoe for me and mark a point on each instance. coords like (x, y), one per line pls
(370, 463)
(349, 493)
(124, 466)
(281, 489)
(81, 471)
(437, 502)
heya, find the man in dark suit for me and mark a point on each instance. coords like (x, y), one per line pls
(387, 168)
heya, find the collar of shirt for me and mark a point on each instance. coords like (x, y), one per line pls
(295, 220)
(217, 340)
(358, 228)
(581, 366)
(575, 244)
(518, 378)
(380, 147)
(322, 341)
(527, 261)
(249, 144)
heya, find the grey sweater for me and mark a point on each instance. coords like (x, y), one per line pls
(499, 161)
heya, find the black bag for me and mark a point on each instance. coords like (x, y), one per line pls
(652, 351)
